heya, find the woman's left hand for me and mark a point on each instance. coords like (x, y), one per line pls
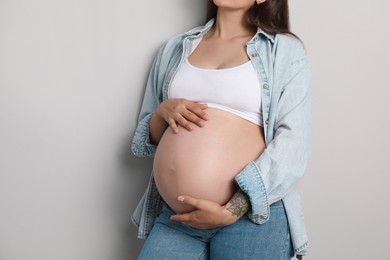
(207, 215)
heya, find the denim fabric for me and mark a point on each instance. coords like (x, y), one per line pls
(243, 240)
(284, 74)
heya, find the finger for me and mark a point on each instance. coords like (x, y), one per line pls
(202, 106)
(189, 201)
(194, 118)
(183, 122)
(184, 218)
(173, 125)
(197, 225)
(198, 110)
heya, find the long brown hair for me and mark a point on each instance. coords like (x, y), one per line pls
(272, 16)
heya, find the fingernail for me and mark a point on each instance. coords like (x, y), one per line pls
(180, 198)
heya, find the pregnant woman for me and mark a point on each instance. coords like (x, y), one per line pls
(226, 115)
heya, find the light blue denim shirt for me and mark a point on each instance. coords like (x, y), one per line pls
(285, 77)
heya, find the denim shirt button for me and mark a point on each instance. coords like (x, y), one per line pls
(254, 55)
(266, 121)
(265, 86)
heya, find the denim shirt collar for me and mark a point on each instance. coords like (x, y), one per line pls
(201, 30)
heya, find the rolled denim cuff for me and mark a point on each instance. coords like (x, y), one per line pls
(141, 145)
(250, 181)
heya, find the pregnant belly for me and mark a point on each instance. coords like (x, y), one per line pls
(202, 163)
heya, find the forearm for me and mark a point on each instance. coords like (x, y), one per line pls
(157, 127)
(238, 205)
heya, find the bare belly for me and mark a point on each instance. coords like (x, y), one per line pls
(202, 163)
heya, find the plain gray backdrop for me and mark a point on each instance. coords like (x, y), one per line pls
(72, 76)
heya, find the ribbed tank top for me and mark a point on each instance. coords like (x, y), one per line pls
(236, 90)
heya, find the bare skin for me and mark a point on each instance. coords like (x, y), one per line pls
(224, 46)
(203, 162)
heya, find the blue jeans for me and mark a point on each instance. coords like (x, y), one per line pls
(243, 240)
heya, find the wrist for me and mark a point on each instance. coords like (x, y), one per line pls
(228, 216)
(157, 127)
(238, 205)
(157, 113)
(159, 118)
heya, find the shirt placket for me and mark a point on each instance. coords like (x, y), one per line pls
(264, 83)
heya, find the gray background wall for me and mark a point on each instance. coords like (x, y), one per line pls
(72, 75)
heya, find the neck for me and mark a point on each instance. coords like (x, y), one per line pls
(231, 23)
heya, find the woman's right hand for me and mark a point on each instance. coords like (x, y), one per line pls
(183, 112)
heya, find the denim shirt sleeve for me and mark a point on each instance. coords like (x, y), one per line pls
(284, 161)
(141, 145)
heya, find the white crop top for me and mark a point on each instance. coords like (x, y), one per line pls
(236, 90)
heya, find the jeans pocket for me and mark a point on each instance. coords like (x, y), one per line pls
(277, 204)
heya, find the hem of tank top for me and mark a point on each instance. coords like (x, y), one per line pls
(233, 111)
